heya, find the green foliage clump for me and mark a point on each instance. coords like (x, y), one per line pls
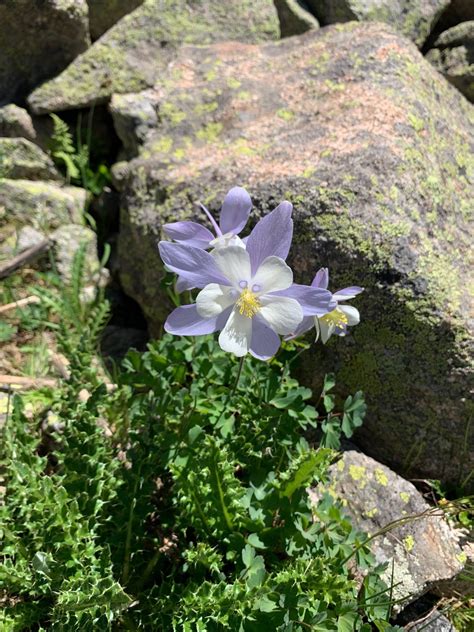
(174, 502)
(75, 160)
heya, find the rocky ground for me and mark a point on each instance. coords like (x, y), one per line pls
(357, 112)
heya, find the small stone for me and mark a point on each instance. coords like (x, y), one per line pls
(22, 159)
(15, 122)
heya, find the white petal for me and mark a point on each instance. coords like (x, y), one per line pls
(281, 313)
(271, 276)
(316, 326)
(224, 241)
(326, 330)
(352, 314)
(237, 334)
(234, 263)
(213, 299)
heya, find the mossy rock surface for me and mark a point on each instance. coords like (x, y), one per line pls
(38, 40)
(413, 18)
(373, 147)
(22, 159)
(136, 51)
(42, 205)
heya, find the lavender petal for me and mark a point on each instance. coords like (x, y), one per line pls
(348, 293)
(193, 264)
(313, 300)
(271, 236)
(235, 211)
(185, 321)
(189, 233)
(321, 279)
(305, 325)
(183, 284)
(265, 342)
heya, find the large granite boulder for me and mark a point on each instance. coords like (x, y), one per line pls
(453, 55)
(374, 148)
(38, 40)
(136, 51)
(413, 18)
(414, 539)
(105, 13)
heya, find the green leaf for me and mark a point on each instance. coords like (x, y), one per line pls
(345, 622)
(255, 541)
(248, 555)
(264, 604)
(305, 472)
(329, 382)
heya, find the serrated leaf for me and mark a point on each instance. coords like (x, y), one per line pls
(305, 472)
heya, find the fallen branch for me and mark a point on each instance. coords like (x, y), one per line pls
(27, 256)
(23, 382)
(20, 303)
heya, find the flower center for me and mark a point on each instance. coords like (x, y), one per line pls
(248, 303)
(336, 318)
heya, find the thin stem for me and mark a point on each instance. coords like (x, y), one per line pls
(128, 540)
(233, 389)
(239, 373)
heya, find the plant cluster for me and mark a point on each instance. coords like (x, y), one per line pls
(73, 158)
(174, 502)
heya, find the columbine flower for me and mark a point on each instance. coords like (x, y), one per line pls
(338, 319)
(243, 290)
(233, 217)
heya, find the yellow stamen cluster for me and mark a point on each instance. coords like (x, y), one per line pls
(336, 318)
(248, 303)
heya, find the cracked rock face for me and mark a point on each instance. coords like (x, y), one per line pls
(373, 148)
(419, 546)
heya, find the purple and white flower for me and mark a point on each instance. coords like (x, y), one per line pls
(336, 320)
(247, 294)
(233, 218)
